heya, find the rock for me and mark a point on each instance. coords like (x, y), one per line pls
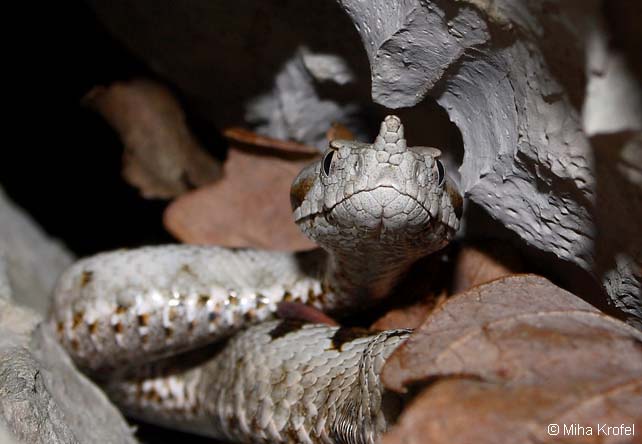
(43, 398)
(294, 109)
(513, 75)
(32, 261)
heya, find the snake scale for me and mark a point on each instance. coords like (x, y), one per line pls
(140, 321)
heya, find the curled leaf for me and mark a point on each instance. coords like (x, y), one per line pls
(162, 158)
(248, 207)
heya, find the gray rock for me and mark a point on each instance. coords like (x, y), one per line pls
(43, 398)
(511, 75)
(31, 261)
(294, 110)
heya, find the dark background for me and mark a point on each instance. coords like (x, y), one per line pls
(63, 162)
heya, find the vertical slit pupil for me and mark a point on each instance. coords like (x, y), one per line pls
(327, 162)
(440, 171)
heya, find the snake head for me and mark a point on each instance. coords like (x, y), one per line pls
(384, 193)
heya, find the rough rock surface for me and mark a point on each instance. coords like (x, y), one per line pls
(43, 398)
(513, 76)
(30, 260)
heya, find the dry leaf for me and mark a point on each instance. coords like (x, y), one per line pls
(162, 158)
(519, 329)
(248, 207)
(462, 411)
(408, 317)
(484, 262)
(242, 136)
(510, 357)
(338, 131)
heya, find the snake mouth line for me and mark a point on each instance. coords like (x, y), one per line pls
(327, 210)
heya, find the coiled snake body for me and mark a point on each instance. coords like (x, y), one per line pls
(373, 208)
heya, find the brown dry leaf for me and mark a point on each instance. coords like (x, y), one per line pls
(519, 329)
(462, 411)
(248, 207)
(510, 357)
(242, 136)
(162, 158)
(484, 262)
(338, 131)
(408, 317)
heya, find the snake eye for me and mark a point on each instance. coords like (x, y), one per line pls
(441, 173)
(327, 162)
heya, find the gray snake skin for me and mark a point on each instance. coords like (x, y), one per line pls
(186, 336)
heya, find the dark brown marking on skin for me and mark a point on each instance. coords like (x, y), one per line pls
(232, 422)
(300, 189)
(77, 319)
(85, 278)
(326, 288)
(312, 296)
(292, 435)
(348, 334)
(60, 327)
(121, 309)
(202, 299)
(152, 395)
(187, 270)
(143, 319)
(195, 408)
(118, 327)
(169, 331)
(254, 425)
(285, 327)
(93, 327)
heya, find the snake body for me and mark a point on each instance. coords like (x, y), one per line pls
(374, 209)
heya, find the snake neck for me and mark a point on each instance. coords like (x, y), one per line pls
(365, 277)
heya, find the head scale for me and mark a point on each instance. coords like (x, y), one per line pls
(384, 195)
